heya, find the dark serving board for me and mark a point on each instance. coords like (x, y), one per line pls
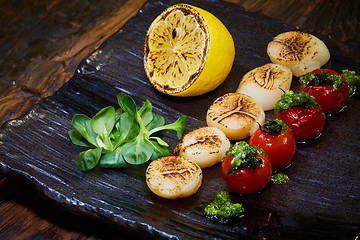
(321, 201)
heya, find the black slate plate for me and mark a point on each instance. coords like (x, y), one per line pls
(320, 202)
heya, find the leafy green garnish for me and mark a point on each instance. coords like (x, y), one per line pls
(222, 208)
(244, 155)
(295, 99)
(321, 78)
(119, 138)
(279, 178)
(352, 79)
(88, 159)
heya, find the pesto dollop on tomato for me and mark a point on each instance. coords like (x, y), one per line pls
(273, 127)
(222, 208)
(244, 155)
(295, 99)
(352, 78)
(321, 78)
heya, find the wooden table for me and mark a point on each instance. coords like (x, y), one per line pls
(42, 43)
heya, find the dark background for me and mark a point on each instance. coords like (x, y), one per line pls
(43, 42)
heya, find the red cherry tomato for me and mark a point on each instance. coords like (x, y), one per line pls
(306, 123)
(279, 147)
(247, 180)
(330, 100)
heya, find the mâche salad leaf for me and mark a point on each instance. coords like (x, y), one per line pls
(121, 137)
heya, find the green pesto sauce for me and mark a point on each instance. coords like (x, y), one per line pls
(279, 178)
(352, 79)
(244, 155)
(274, 127)
(222, 208)
(295, 99)
(318, 79)
(211, 140)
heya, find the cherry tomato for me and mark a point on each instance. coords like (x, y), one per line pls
(330, 100)
(247, 180)
(306, 123)
(280, 147)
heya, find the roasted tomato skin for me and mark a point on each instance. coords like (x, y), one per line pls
(280, 147)
(330, 100)
(247, 180)
(306, 123)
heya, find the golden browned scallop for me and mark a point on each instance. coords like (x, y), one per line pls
(236, 115)
(173, 177)
(266, 84)
(301, 52)
(205, 146)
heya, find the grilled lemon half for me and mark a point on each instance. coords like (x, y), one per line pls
(187, 52)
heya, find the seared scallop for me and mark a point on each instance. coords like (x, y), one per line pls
(301, 52)
(236, 115)
(173, 177)
(205, 146)
(266, 84)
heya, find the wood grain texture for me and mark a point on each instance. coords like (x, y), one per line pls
(320, 201)
(25, 214)
(337, 20)
(33, 56)
(42, 43)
